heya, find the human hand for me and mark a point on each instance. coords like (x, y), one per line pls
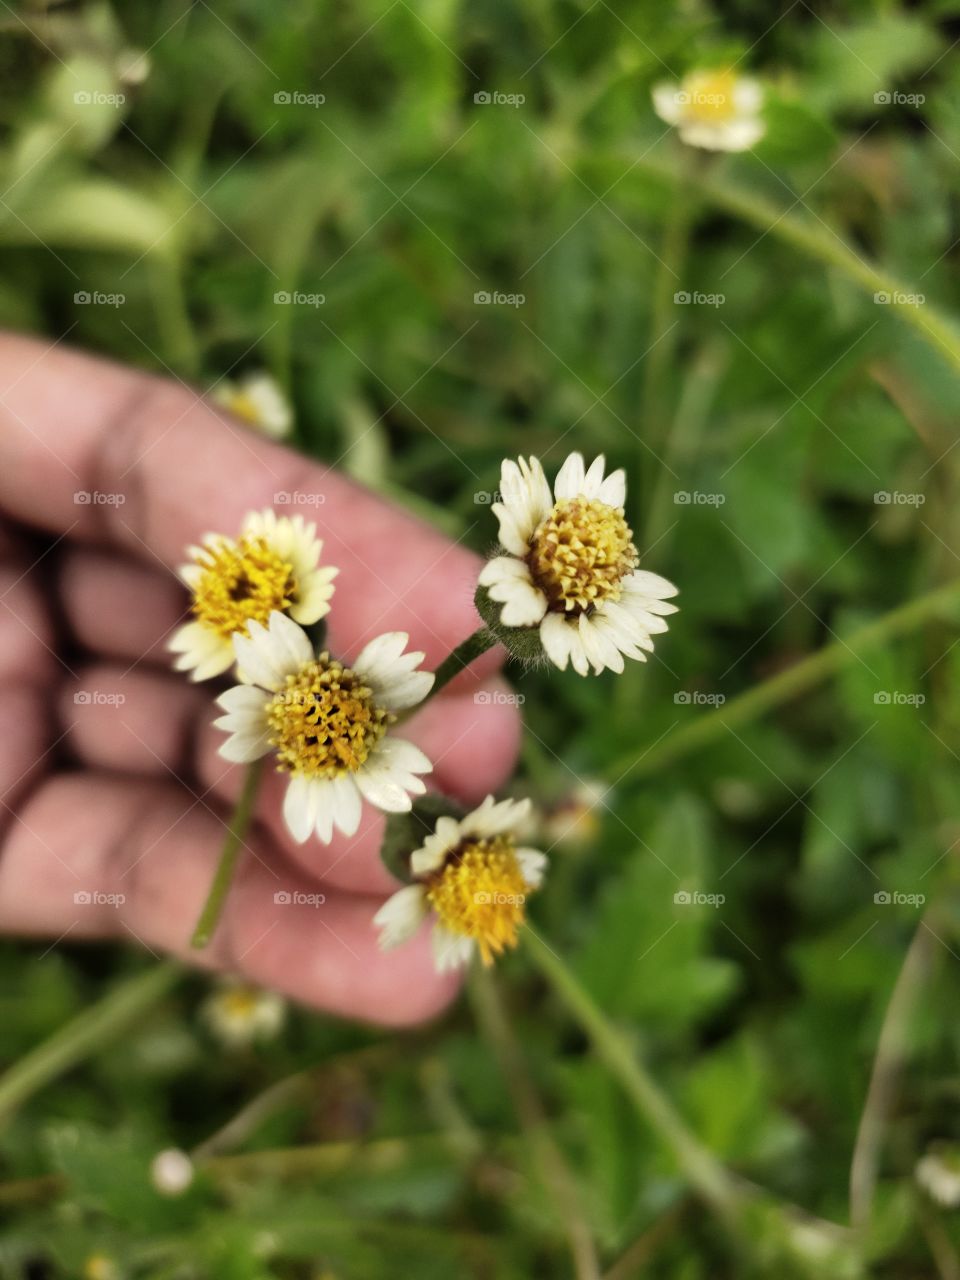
(110, 781)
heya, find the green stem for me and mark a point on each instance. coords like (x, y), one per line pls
(461, 657)
(819, 241)
(778, 689)
(84, 1035)
(554, 1171)
(892, 1048)
(239, 824)
(704, 1173)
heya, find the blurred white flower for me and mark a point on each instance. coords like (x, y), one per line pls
(938, 1173)
(238, 1014)
(258, 400)
(273, 566)
(575, 819)
(570, 567)
(327, 724)
(171, 1172)
(714, 109)
(474, 879)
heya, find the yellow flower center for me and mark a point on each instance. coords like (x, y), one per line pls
(242, 581)
(324, 721)
(239, 1002)
(242, 404)
(708, 96)
(480, 893)
(580, 554)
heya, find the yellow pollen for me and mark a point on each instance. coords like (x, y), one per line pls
(580, 554)
(480, 893)
(239, 1002)
(242, 582)
(324, 721)
(709, 96)
(243, 406)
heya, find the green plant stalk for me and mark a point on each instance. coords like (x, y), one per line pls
(892, 1048)
(817, 240)
(466, 652)
(704, 1173)
(553, 1168)
(232, 845)
(778, 689)
(84, 1035)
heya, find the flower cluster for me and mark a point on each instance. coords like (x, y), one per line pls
(565, 586)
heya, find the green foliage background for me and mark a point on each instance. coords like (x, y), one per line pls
(795, 402)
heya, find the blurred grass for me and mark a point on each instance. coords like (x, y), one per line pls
(781, 412)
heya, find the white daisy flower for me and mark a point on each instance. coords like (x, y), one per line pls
(259, 402)
(326, 723)
(171, 1172)
(714, 109)
(938, 1172)
(273, 566)
(570, 567)
(238, 1014)
(473, 878)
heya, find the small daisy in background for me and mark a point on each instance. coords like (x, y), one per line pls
(575, 819)
(938, 1173)
(257, 400)
(473, 878)
(713, 109)
(171, 1172)
(570, 566)
(239, 1015)
(274, 566)
(326, 724)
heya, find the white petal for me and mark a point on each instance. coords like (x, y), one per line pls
(569, 481)
(613, 491)
(391, 672)
(514, 533)
(533, 863)
(346, 806)
(503, 569)
(267, 655)
(601, 652)
(666, 103)
(650, 584)
(243, 748)
(450, 950)
(523, 603)
(556, 636)
(747, 97)
(431, 855)
(387, 778)
(400, 916)
(493, 818)
(299, 807)
(593, 480)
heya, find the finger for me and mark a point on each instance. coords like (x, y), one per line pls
(144, 722)
(117, 606)
(160, 466)
(94, 856)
